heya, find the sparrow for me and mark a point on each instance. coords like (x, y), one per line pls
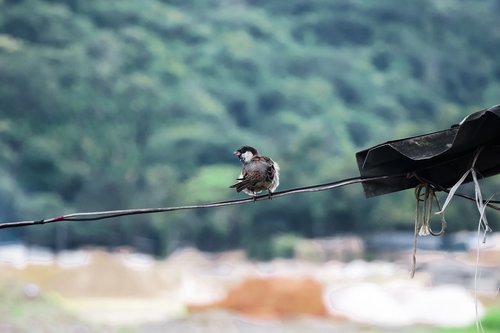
(259, 172)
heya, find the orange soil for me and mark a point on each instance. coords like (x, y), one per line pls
(273, 297)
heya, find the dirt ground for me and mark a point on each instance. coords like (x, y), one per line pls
(272, 298)
(193, 292)
(106, 288)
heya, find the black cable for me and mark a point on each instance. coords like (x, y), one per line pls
(94, 216)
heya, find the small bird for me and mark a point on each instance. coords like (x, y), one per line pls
(259, 172)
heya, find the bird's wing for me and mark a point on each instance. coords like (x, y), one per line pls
(250, 179)
(272, 168)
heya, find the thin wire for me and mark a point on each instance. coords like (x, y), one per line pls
(418, 189)
(94, 216)
(423, 217)
(491, 204)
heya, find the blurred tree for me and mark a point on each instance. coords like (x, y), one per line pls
(109, 105)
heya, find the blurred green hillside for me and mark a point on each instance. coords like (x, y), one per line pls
(127, 104)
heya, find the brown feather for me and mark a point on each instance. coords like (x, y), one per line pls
(260, 173)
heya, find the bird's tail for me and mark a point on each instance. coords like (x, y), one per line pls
(240, 186)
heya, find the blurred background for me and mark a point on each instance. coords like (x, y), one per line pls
(132, 104)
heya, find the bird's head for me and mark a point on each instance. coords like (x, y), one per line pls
(245, 153)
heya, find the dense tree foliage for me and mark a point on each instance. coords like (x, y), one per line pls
(123, 104)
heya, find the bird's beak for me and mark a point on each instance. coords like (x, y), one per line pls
(237, 153)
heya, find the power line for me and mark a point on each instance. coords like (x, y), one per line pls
(94, 216)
